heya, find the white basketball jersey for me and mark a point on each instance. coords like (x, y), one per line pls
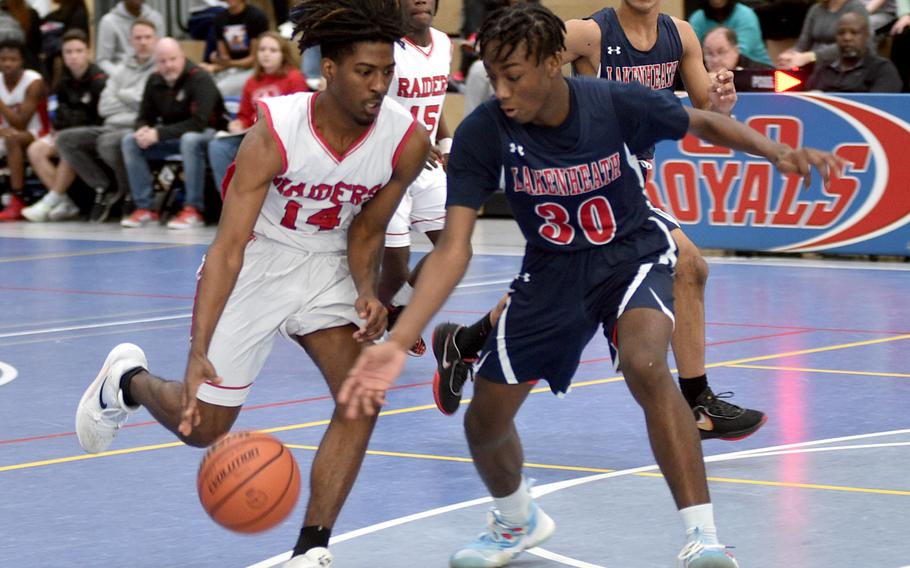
(421, 78)
(40, 123)
(312, 203)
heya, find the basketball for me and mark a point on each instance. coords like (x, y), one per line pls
(248, 482)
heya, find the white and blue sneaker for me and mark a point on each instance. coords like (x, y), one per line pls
(501, 543)
(101, 411)
(699, 554)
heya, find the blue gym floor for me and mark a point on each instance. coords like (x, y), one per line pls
(821, 346)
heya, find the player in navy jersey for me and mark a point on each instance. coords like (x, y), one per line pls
(635, 43)
(564, 152)
(306, 205)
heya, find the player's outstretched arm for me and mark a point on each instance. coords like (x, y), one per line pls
(258, 161)
(366, 236)
(379, 365)
(725, 131)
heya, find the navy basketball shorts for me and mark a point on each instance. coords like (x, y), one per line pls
(668, 221)
(558, 301)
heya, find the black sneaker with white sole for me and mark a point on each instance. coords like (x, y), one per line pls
(717, 418)
(452, 370)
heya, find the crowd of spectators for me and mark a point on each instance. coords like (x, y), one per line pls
(126, 98)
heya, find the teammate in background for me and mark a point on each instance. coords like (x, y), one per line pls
(635, 43)
(423, 59)
(297, 252)
(565, 150)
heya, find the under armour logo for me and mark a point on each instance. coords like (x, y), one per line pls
(516, 149)
(524, 277)
(614, 50)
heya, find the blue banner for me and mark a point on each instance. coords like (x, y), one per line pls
(733, 200)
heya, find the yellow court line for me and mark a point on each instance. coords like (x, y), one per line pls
(411, 409)
(829, 371)
(639, 474)
(92, 252)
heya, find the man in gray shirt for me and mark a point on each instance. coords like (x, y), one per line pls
(114, 30)
(90, 148)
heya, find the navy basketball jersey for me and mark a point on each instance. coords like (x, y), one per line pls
(574, 186)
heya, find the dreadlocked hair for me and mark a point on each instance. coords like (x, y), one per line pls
(540, 29)
(337, 25)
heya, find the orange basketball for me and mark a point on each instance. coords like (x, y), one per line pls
(248, 482)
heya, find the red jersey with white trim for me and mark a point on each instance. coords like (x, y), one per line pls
(39, 124)
(421, 78)
(311, 204)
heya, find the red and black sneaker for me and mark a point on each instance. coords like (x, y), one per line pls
(717, 418)
(420, 346)
(452, 370)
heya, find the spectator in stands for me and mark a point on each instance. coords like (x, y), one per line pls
(30, 22)
(115, 28)
(817, 40)
(737, 17)
(201, 23)
(856, 69)
(721, 51)
(78, 92)
(236, 30)
(23, 118)
(274, 74)
(900, 46)
(882, 14)
(181, 109)
(69, 15)
(93, 150)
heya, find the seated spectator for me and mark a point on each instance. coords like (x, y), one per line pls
(23, 118)
(882, 14)
(900, 46)
(78, 92)
(737, 17)
(817, 40)
(275, 74)
(70, 15)
(93, 150)
(114, 29)
(236, 30)
(180, 111)
(721, 51)
(201, 24)
(856, 69)
(30, 22)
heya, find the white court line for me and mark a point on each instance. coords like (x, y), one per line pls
(537, 551)
(175, 317)
(541, 490)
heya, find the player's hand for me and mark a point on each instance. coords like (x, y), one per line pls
(434, 159)
(375, 318)
(374, 372)
(722, 94)
(198, 370)
(790, 161)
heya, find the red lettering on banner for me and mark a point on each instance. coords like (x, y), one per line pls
(694, 146)
(785, 215)
(842, 187)
(754, 194)
(788, 130)
(685, 207)
(719, 187)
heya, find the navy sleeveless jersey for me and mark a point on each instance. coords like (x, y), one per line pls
(574, 186)
(620, 61)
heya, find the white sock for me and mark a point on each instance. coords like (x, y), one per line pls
(515, 509)
(700, 517)
(403, 296)
(53, 198)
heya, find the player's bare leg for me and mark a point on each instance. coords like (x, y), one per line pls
(716, 417)
(643, 336)
(341, 451)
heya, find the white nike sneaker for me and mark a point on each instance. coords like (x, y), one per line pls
(101, 411)
(318, 557)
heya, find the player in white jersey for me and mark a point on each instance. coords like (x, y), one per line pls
(423, 59)
(23, 118)
(306, 205)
